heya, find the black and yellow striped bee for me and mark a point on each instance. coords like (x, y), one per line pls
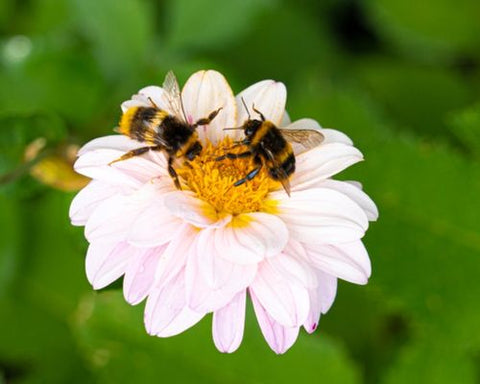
(162, 131)
(271, 147)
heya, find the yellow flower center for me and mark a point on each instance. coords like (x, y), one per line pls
(213, 180)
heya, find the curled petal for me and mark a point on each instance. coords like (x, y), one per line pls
(279, 337)
(322, 216)
(166, 312)
(249, 238)
(211, 280)
(268, 97)
(106, 262)
(321, 299)
(175, 256)
(203, 93)
(140, 273)
(286, 302)
(322, 162)
(228, 324)
(348, 261)
(88, 199)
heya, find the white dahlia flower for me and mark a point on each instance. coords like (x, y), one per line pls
(205, 248)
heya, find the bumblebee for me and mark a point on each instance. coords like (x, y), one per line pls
(161, 131)
(271, 147)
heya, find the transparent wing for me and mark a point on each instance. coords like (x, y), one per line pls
(304, 139)
(173, 96)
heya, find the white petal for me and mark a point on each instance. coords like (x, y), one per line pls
(199, 213)
(321, 299)
(321, 216)
(228, 324)
(285, 119)
(268, 97)
(305, 124)
(115, 142)
(154, 226)
(284, 301)
(322, 162)
(113, 218)
(205, 92)
(354, 193)
(294, 268)
(251, 237)
(211, 280)
(166, 312)
(85, 202)
(347, 261)
(140, 273)
(278, 337)
(106, 262)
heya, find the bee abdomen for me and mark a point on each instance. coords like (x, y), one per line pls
(286, 167)
(137, 122)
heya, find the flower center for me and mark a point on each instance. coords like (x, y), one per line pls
(213, 180)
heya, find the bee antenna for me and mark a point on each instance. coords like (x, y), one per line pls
(152, 102)
(245, 105)
(260, 113)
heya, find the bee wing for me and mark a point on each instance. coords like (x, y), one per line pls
(303, 139)
(173, 96)
(284, 179)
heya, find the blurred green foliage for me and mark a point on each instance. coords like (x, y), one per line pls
(401, 79)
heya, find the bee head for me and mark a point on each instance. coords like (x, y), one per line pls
(251, 126)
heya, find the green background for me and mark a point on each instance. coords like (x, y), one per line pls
(400, 78)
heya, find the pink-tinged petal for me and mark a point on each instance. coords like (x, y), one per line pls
(268, 96)
(113, 218)
(322, 162)
(203, 93)
(85, 202)
(294, 268)
(211, 280)
(106, 262)
(114, 142)
(154, 226)
(286, 302)
(321, 299)
(251, 237)
(280, 338)
(354, 193)
(175, 256)
(334, 136)
(166, 312)
(228, 324)
(185, 205)
(140, 274)
(321, 216)
(348, 261)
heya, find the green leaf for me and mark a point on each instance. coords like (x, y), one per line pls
(210, 23)
(437, 28)
(118, 33)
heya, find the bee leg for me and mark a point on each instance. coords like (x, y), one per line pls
(134, 152)
(233, 156)
(173, 173)
(207, 120)
(250, 175)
